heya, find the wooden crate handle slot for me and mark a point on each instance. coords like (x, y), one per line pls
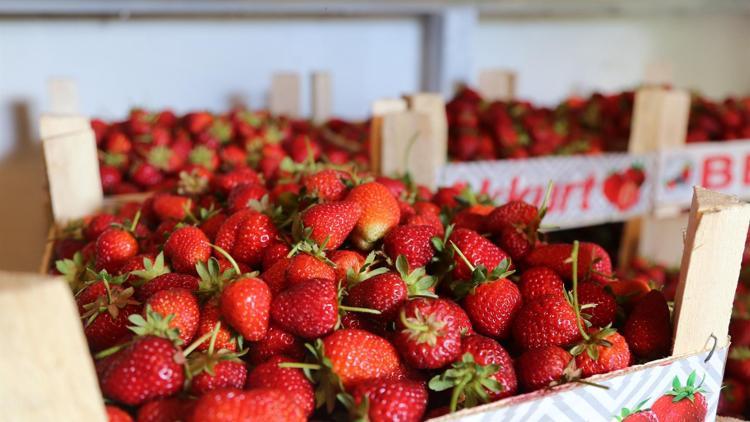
(63, 96)
(284, 98)
(322, 97)
(660, 120)
(436, 151)
(714, 243)
(45, 367)
(380, 108)
(73, 175)
(497, 84)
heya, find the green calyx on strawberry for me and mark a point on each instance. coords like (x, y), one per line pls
(479, 274)
(202, 156)
(206, 361)
(469, 381)
(73, 230)
(625, 412)
(129, 225)
(423, 329)
(740, 353)
(212, 278)
(114, 159)
(202, 215)
(74, 271)
(221, 130)
(357, 412)
(154, 324)
(468, 198)
(281, 216)
(111, 302)
(151, 269)
(320, 372)
(687, 391)
(590, 345)
(193, 183)
(443, 258)
(366, 271)
(160, 157)
(418, 283)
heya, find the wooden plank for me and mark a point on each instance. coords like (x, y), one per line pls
(322, 97)
(73, 175)
(714, 243)
(406, 145)
(45, 367)
(378, 109)
(660, 120)
(284, 98)
(55, 124)
(658, 73)
(63, 96)
(433, 106)
(497, 84)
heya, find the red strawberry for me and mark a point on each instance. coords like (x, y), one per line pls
(345, 261)
(602, 350)
(732, 399)
(291, 380)
(326, 185)
(276, 342)
(171, 207)
(637, 414)
(478, 251)
(604, 304)
(542, 367)
(426, 334)
(98, 224)
(167, 281)
(275, 252)
(548, 320)
(738, 364)
(242, 196)
(515, 227)
(145, 175)
(600, 263)
(684, 403)
(380, 213)
(214, 368)
(648, 329)
(492, 306)
(115, 414)
(304, 267)
(182, 305)
(186, 247)
(164, 410)
(388, 400)
(308, 309)
(143, 371)
(331, 223)
(484, 373)
(245, 305)
(111, 177)
(105, 308)
(556, 256)
(536, 282)
(261, 404)
(224, 183)
(210, 318)
(413, 242)
(275, 276)
(245, 235)
(113, 247)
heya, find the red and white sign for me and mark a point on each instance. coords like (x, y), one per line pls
(719, 166)
(586, 189)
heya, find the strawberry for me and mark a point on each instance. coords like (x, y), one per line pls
(243, 196)
(331, 223)
(412, 242)
(387, 400)
(180, 303)
(146, 175)
(648, 329)
(292, 380)
(245, 304)
(113, 247)
(115, 414)
(210, 319)
(380, 213)
(637, 414)
(308, 309)
(326, 185)
(276, 342)
(245, 235)
(111, 177)
(98, 224)
(484, 373)
(600, 262)
(186, 247)
(732, 399)
(345, 261)
(275, 252)
(536, 282)
(260, 404)
(604, 308)
(214, 368)
(171, 207)
(556, 256)
(426, 334)
(167, 281)
(477, 250)
(548, 320)
(224, 183)
(738, 364)
(386, 292)
(515, 226)
(143, 371)
(304, 267)
(164, 410)
(542, 367)
(275, 276)
(105, 308)
(684, 403)
(602, 350)
(459, 317)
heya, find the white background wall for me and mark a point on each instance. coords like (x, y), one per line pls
(191, 64)
(554, 57)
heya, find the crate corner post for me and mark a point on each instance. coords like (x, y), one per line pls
(321, 96)
(284, 97)
(714, 243)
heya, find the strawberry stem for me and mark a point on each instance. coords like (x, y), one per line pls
(463, 257)
(200, 341)
(576, 307)
(300, 365)
(456, 394)
(135, 221)
(229, 258)
(357, 309)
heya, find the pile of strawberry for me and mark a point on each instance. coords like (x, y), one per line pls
(481, 130)
(157, 151)
(323, 292)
